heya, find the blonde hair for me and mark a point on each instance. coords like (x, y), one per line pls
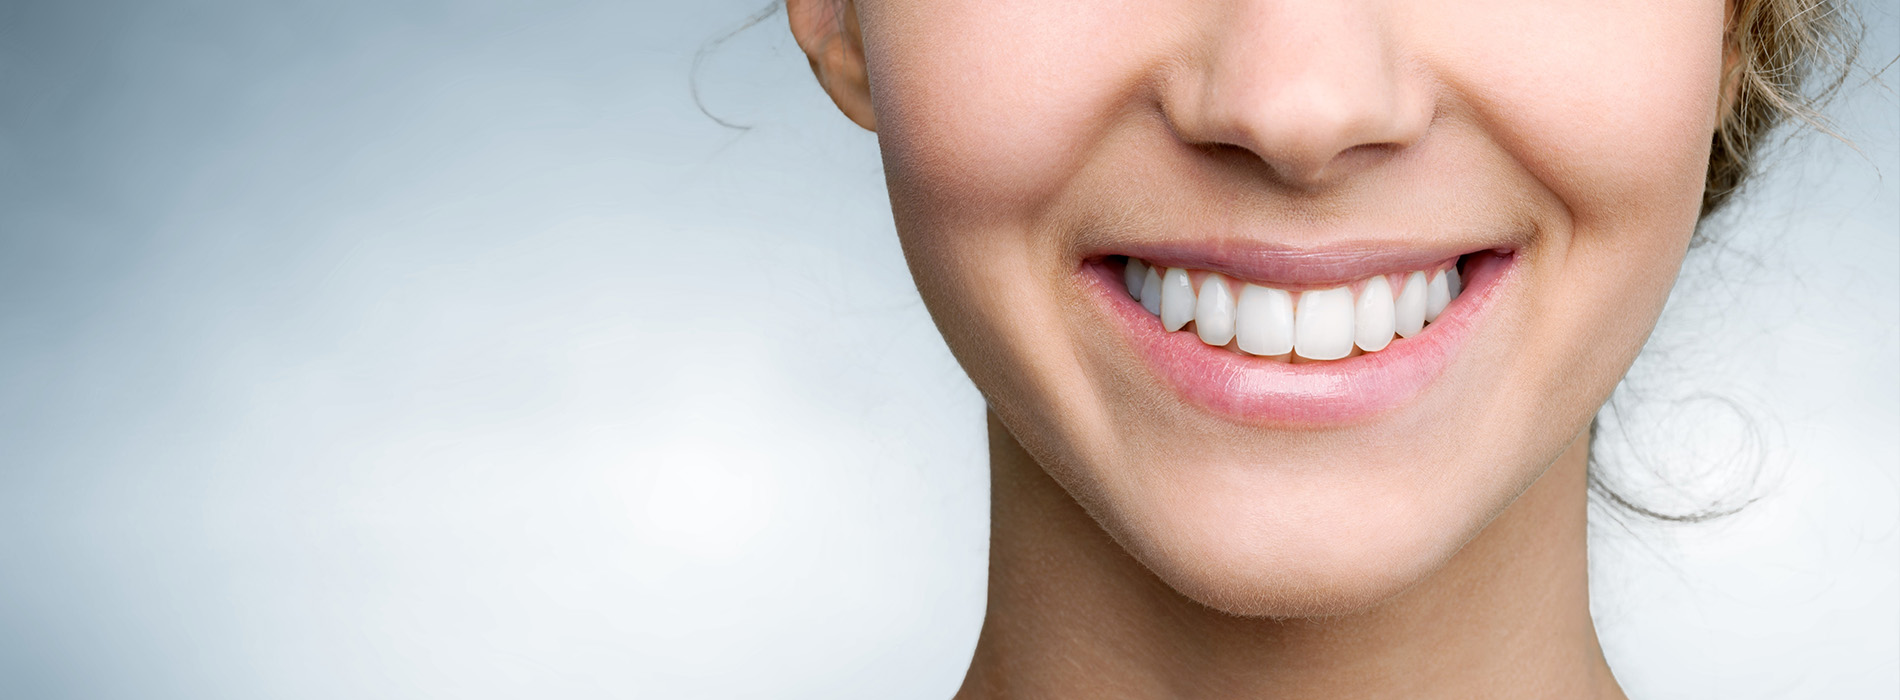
(1776, 47)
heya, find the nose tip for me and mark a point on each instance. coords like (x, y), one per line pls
(1307, 134)
(1312, 92)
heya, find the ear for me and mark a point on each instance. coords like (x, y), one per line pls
(827, 31)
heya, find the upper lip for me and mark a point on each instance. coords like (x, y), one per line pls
(1296, 267)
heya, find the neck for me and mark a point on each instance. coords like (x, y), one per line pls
(1072, 614)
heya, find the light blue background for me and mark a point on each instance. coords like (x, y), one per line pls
(430, 349)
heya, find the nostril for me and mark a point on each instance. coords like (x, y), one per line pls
(1297, 173)
(1365, 154)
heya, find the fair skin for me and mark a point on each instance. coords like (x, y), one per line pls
(1183, 517)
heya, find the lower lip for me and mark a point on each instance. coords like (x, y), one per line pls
(1261, 391)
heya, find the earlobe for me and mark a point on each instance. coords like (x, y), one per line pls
(827, 31)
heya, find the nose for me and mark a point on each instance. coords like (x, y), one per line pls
(1315, 90)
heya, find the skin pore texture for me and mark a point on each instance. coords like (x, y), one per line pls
(1148, 541)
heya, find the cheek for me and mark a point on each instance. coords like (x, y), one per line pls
(1611, 105)
(981, 129)
(985, 122)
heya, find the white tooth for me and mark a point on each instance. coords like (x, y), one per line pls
(1409, 311)
(1214, 311)
(1457, 283)
(1177, 299)
(1263, 321)
(1437, 295)
(1322, 325)
(1151, 292)
(1133, 276)
(1373, 320)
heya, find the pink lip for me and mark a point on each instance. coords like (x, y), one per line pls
(1262, 391)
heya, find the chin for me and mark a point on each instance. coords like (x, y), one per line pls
(1255, 543)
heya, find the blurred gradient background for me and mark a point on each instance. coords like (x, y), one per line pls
(445, 349)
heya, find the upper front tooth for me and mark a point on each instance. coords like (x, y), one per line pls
(1408, 313)
(1373, 315)
(1323, 324)
(1177, 299)
(1151, 292)
(1263, 320)
(1133, 276)
(1214, 311)
(1437, 295)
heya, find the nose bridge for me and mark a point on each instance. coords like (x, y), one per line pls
(1313, 88)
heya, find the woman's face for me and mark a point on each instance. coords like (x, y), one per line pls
(1552, 152)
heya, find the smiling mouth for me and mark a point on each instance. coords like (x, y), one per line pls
(1341, 338)
(1362, 316)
